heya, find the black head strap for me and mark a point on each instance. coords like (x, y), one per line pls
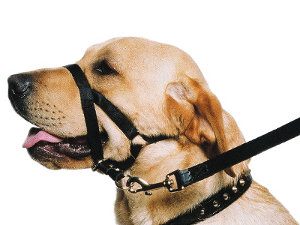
(124, 124)
(87, 104)
(89, 97)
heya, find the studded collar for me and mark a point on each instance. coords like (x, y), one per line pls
(215, 203)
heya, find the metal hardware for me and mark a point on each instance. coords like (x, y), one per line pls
(136, 184)
(96, 165)
(242, 182)
(171, 182)
(225, 196)
(132, 182)
(216, 204)
(202, 212)
(234, 189)
(121, 184)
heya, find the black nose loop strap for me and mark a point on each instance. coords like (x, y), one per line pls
(87, 104)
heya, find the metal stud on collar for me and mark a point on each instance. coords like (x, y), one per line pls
(219, 201)
(234, 189)
(225, 196)
(216, 204)
(202, 212)
(242, 182)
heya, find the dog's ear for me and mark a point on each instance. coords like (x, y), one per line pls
(198, 114)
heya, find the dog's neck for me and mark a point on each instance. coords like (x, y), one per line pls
(156, 160)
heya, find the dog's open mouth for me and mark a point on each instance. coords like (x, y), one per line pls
(45, 147)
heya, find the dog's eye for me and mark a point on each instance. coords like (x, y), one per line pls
(103, 68)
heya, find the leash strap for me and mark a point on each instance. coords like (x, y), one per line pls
(236, 155)
(179, 179)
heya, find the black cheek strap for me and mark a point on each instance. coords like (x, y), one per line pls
(124, 124)
(87, 104)
(95, 139)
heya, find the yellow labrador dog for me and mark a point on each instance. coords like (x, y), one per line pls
(163, 92)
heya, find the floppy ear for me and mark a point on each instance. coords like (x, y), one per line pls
(198, 114)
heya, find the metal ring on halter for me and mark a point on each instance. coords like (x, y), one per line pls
(122, 184)
(96, 165)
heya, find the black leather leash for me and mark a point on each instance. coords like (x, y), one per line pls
(236, 155)
(178, 179)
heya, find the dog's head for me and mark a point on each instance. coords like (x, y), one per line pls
(157, 86)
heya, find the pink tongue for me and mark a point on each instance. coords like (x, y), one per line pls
(32, 139)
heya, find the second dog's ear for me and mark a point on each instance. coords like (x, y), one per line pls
(197, 114)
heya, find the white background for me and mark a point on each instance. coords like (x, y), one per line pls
(248, 51)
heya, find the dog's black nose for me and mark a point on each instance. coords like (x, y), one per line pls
(20, 85)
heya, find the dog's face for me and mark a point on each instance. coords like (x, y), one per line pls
(157, 86)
